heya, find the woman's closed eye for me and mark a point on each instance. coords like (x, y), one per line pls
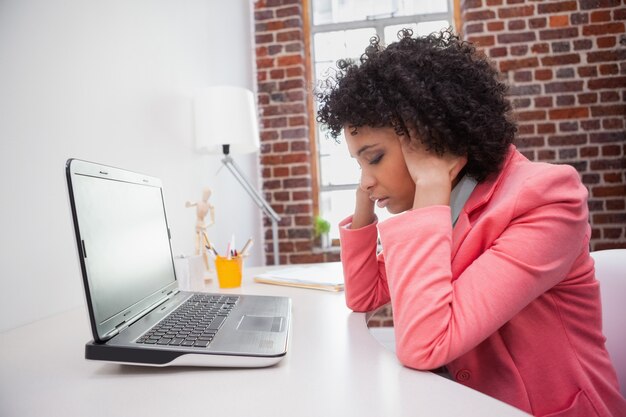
(376, 159)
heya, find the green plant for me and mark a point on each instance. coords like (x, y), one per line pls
(321, 226)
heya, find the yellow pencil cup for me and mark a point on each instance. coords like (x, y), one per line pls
(229, 271)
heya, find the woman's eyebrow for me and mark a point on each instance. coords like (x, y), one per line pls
(365, 148)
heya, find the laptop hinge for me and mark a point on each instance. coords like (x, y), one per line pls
(123, 325)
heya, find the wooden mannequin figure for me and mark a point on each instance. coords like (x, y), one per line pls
(202, 239)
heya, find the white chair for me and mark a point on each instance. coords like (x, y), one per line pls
(611, 272)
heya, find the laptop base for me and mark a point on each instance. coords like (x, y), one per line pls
(161, 358)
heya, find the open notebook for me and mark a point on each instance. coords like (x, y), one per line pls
(327, 276)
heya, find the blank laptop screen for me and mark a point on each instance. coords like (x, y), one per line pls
(126, 242)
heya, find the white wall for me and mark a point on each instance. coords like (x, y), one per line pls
(111, 82)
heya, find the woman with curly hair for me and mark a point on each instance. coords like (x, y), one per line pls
(486, 263)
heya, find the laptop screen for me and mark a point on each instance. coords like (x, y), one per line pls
(125, 244)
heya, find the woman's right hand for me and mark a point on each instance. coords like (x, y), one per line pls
(363, 210)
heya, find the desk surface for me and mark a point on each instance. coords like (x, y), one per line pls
(334, 367)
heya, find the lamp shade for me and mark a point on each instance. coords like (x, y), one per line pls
(226, 115)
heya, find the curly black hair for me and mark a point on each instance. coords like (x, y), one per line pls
(437, 86)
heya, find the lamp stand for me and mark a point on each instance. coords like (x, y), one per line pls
(256, 197)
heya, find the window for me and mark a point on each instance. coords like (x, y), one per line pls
(342, 29)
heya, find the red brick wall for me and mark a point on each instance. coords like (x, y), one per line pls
(285, 146)
(565, 62)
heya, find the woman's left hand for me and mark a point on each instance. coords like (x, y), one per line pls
(432, 174)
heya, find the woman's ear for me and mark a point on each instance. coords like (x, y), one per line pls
(458, 163)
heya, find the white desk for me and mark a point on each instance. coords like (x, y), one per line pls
(334, 367)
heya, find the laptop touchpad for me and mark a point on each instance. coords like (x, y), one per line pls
(261, 324)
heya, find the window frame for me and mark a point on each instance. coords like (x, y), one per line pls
(379, 24)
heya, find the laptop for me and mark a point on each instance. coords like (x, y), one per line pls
(137, 313)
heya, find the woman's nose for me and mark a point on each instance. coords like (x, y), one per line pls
(367, 181)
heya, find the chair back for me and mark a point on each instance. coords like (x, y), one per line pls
(611, 272)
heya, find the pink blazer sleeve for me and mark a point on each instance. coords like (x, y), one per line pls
(364, 271)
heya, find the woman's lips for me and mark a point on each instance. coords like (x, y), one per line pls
(382, 202)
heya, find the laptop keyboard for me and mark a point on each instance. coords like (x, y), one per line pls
(192, 324)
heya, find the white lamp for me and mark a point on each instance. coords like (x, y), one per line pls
(226, 121)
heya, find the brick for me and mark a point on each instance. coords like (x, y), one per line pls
(538, 23)
(603, 29)
(597, 4)
(607, 137)
(543, 74)
(282, 195)
(560, 47)
(274, 122)
(525, 129)
(291, 35)
(609, 96)
(543, 101)
(587, 71)
(609, 69)
(549, 34)
(589, 151)
(579, 18)
(531, 115)
(616, 204)
(611, 150)
(289, 60)
(510, 12)
(569, 113)
(567, 100)
(606, 42)
(568, 126)
(530, 142)
(546, 128)
(495, 26)
(601, 16)
(612, 124)
(619, 14)
(306, 258)
(587, 98)
(299, 170)
(264, 38)
(524, 90)
(516, 37)
(587, 125)
(479, 15)
(279, 147)
(569, 153)
(605, 56)
(607, 164)
(546, 155)
(514, 64)
(565, 73)
(612, 110)
(609, 191)
(563, 86)
(516, 25)
(582, 44)
(294, 158)
(523, 76)
(557, 21)
(517, 50)
(299, 145)
(475, 28)
(277, 74)
(611, 233)
(560, 59)
(556, 7)
(497, 52)
(540, 48)
(289, 11)
(605, 83)
(494, 2)
(266, 14)
(482, 41)
(301, 195)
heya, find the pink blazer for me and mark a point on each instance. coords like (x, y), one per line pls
(507, 300)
